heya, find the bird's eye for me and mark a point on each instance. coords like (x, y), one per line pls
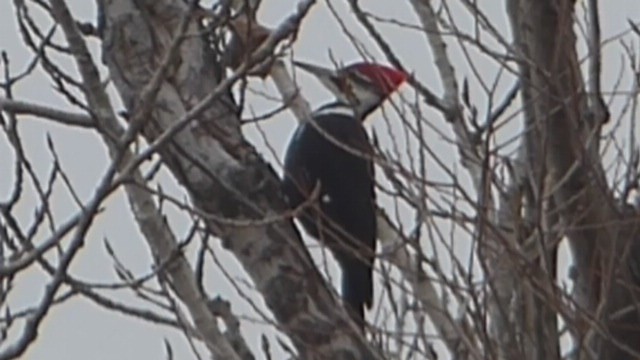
(361, 79)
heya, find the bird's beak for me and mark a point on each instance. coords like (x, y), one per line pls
(318, 71)
(328, 77)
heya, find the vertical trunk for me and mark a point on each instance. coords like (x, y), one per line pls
(562, 149)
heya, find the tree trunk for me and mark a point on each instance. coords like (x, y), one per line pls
(562, 149)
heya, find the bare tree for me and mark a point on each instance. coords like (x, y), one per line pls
(482, 181)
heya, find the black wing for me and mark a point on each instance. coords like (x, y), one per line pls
(338, 159)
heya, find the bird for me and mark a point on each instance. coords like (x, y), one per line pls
(331, 156)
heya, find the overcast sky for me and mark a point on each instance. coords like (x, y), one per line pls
(80, 330)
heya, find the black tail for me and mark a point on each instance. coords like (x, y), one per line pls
(357, 288)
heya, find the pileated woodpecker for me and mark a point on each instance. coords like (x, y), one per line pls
(333, 152)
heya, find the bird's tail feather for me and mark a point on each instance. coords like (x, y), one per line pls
(357, 287)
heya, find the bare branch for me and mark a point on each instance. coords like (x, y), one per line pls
(63, 117)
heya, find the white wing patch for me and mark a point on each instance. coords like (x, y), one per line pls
(325, 199)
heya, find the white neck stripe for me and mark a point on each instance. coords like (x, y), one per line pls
(339, 109)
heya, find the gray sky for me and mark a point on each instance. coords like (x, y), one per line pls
(80, 330)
